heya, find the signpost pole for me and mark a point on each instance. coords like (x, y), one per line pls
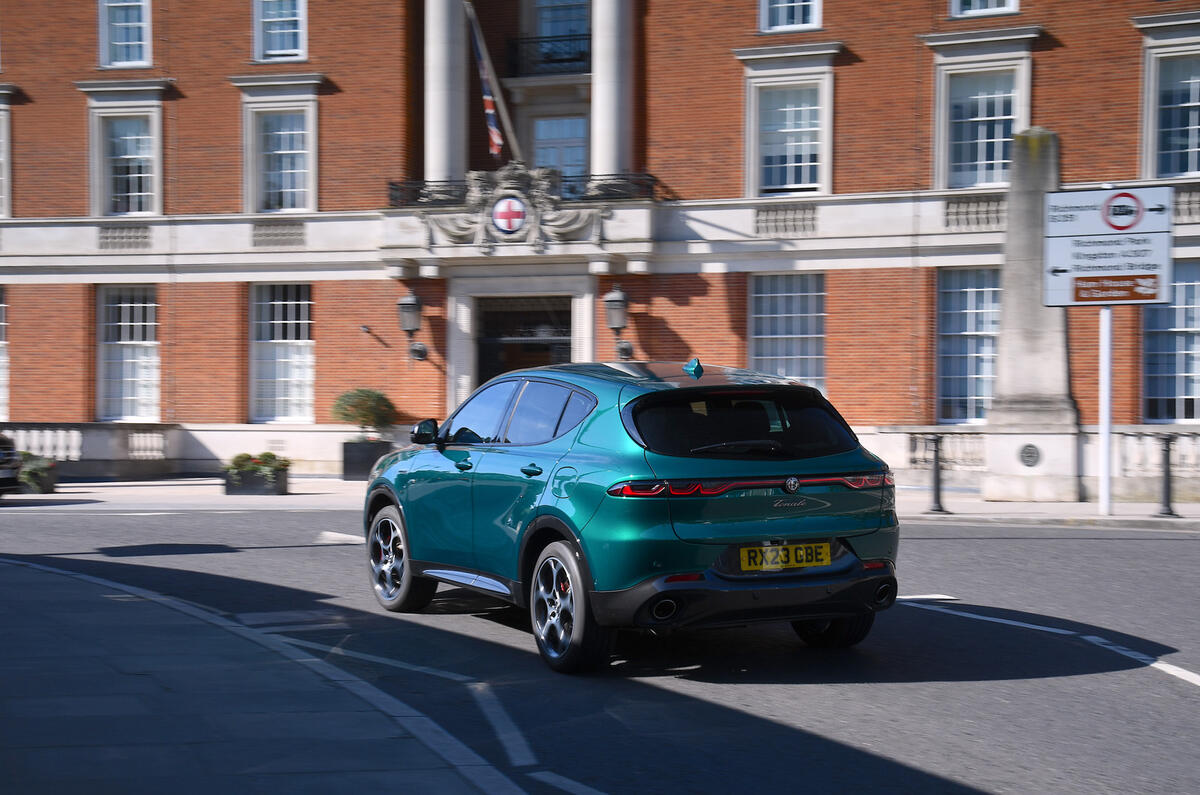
(1105, 247)
(1105, 469)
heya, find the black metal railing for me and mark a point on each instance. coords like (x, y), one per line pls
(549, 55)
(610, 187)
(582, 187)
(428, 193)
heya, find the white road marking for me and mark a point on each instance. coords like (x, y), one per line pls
(564, 784)
(303, 627)
(146, 513)
(328, 537)
(421, 669)
(927, 597)
(992, 619)
(519, 752)
(285, 617)
(1145, 659)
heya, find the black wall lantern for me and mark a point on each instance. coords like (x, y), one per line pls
(408, 307)
(615, 312)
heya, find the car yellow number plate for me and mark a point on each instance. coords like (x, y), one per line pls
(784, 556)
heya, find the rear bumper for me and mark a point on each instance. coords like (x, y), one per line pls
(717, 601)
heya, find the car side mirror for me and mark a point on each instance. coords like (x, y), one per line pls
(424, 432)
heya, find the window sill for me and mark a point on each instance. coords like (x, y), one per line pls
(280, 59)
(792, 29)
(987, 15)
(983, 186)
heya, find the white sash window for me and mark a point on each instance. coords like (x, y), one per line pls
(281, 353)
(787, 326)
(968, 322)
(129, 371)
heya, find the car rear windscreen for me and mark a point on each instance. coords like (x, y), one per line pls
(777, 423)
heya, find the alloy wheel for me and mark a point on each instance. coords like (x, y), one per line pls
(554, 607)
(386, 553)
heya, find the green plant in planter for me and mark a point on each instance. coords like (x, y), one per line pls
(38, 473)
(369, 409)
(266, 464)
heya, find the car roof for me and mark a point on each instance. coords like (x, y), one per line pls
(645, 377)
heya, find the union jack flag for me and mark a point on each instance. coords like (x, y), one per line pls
(495, 138)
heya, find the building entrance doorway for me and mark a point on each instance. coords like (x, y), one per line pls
(521, 332)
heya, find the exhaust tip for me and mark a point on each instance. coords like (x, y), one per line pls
(885, 594)
(664, 609)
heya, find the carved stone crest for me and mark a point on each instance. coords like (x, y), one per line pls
(514, 205)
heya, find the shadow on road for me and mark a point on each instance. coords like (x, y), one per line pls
(24, 501)
(581, 726)
(906, 645)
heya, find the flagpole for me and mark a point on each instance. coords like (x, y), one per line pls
(497, 90)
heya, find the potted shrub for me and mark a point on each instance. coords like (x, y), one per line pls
(374, 415)
(38, 474)
(265, 473)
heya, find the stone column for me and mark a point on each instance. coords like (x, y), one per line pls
(1033, 425)
(612, 92)
(445, 90)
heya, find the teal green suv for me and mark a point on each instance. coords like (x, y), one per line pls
(649, 496)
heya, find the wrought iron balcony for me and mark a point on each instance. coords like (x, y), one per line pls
(432, 193)
(549, 55)
(583, 187)
(609, 187)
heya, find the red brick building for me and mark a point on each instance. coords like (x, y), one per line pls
(210, 210)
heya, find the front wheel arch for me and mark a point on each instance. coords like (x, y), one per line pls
(380, 497)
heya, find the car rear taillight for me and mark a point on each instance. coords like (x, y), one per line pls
(639, 488)
(870, 481)
(695, 576)
(712, 488)
(870, 565)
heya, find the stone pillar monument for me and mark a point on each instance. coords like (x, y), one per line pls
(1033, 441)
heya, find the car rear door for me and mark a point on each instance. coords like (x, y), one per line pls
(513, 474)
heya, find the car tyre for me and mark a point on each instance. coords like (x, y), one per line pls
(395, 586)
(567, 635)
(834, 633)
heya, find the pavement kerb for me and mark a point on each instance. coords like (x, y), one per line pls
(1182, 524)
(456, 754)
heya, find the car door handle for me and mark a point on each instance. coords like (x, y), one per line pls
(531, 470)
(463, 465)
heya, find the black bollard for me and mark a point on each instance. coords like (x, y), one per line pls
(1166, 509)
(936, 505)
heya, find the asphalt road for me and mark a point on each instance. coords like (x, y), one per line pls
(1061, 664)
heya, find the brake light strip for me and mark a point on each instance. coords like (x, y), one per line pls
(694, 488)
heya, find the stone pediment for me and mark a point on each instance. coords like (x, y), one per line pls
(513, 205)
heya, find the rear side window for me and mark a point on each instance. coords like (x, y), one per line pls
(578, 407)
(546, 411)
(537, 412)
(778, 423)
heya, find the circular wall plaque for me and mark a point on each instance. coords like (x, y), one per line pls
(508, 214)
(1030, 455)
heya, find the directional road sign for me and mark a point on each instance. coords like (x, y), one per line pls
(1108, 247)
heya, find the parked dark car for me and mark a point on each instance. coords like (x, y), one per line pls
(650, 496)
(10, 466)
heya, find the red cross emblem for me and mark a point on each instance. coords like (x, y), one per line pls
(508, 215)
